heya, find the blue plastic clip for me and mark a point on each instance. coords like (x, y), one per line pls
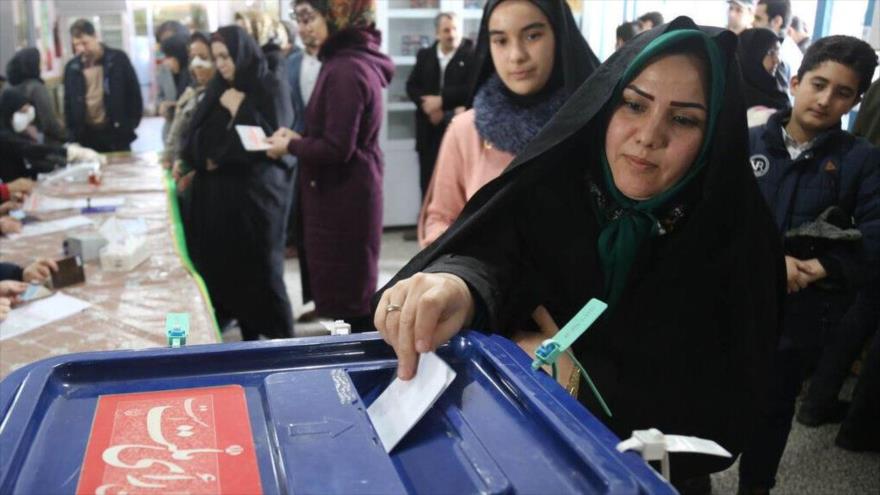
(177, 328)
(550, 349)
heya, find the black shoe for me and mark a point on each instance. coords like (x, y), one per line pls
(818, 416)
(856, 440)
(411, 235)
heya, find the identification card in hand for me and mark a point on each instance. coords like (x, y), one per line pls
(252, 137)
(70, 272)
(34, 292)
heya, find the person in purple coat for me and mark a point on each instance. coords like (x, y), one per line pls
(341, 165)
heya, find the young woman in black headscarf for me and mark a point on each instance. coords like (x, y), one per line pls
(176, 51)
(639, 193)
(759, 57)
(23, 71)
(240, 199)
(530, 57)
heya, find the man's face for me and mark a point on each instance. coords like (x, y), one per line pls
(87, 46)
(825, 94)
(763, 21)
(739, 18)
(447, 34)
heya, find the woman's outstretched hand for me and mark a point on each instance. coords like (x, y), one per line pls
(420, 313)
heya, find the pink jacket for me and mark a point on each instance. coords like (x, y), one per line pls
(465, 163)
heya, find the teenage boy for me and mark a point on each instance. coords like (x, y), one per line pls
(804, 164)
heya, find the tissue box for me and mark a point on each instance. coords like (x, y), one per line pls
(87, 245)
(125, 256)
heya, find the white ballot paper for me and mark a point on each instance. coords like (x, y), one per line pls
(252, 137)
(404, 403)
(38, 313)
(41, 228)
(41, 203)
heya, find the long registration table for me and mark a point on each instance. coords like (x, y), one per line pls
(128, 309)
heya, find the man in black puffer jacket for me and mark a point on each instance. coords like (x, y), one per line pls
(102, 95)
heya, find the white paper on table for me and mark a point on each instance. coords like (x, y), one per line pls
(41, 203)
(252, 137)
(41, 228)
(35, 314)
(403, 403)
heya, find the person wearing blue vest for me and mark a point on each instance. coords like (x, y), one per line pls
(823, 186)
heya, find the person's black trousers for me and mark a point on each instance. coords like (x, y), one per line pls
(860, 429)
(760, 458)
(843, 347)
(427, 160)
(103, 139)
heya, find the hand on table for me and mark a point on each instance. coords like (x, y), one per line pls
(420, 313)
(5, 307)
(20, 187)
(11, 289)
(8, 206)
(39, 271)
(9, 225)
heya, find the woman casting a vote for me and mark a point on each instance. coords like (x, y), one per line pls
(638, 192)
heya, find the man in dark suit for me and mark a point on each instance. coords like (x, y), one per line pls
(438, 84)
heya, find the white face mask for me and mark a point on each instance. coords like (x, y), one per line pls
(200, 63)
(20, 120)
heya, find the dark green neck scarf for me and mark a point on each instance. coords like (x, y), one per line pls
(620, 238)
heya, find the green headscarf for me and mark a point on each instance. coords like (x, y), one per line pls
(621, 237)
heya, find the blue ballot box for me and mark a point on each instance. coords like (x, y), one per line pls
(149, 419)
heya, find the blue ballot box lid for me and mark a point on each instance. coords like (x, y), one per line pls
(499, 428)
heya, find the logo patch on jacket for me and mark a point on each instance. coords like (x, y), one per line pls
(830, 166)
(760, 165)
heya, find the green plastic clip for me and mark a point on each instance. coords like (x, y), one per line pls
(550, 349)
(177, 328)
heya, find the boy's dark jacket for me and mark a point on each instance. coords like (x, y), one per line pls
(688, 346)
(839, 170)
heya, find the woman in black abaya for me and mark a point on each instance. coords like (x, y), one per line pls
(638, 192)
(240, 199)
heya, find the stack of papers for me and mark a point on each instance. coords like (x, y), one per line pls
(404, 403)
(33, 315)
(36, 203)
(42, 228)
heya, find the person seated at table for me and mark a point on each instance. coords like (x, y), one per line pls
(22, 155)
(240, 198)
(639, 193)
(538, 38)
(11, 277)
(24, 75)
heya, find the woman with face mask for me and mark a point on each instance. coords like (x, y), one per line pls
(339, 190)
(201, 70)
(759, 55)
(530, 59)
(21, 154)
(23, 71)
(638, 193)
(240, 198)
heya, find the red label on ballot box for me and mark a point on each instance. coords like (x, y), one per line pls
(195, 440)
